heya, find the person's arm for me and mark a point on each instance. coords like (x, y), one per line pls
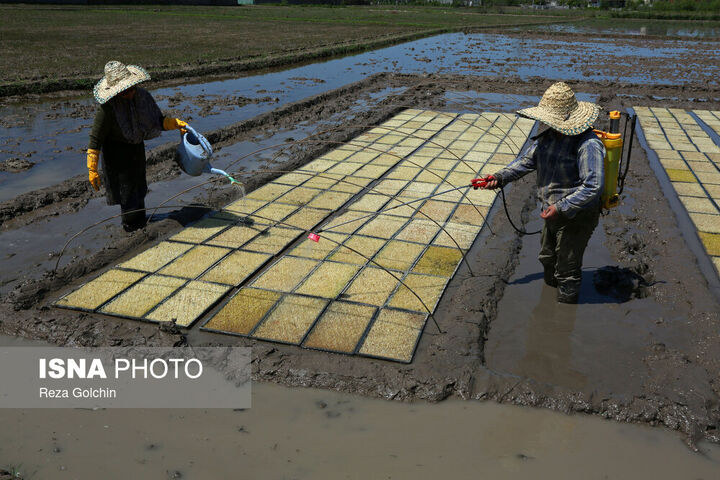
(591, 155)
(97, 138)
(521, 166)
(99, 130)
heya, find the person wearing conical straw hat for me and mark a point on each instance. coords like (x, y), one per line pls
(568, 158)
(127, 116)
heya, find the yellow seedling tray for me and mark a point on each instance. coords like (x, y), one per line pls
(397, 255)
(285, 274)
(201, 230)
(366, 246)
(98, 291)
(137, 300)
(372, 286)
(440, 261)
(291, 319)
(156, 257)
(328, 280)
(394, 335)
(195, 261)
(340, 327)
(235, 268)
(243, 312)
(188, 303)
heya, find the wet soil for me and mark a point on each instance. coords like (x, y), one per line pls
(675, 359)
(15, 165)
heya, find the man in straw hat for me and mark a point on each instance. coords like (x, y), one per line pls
(128, 115)
(568, 158)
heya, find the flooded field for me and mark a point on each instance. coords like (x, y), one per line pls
(641, 348)
(52, 134)
(617, 26)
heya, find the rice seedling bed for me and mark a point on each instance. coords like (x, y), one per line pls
(691, 161)
(382, 260)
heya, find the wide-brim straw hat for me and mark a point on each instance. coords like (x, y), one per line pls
(561, 111)
(118, 77)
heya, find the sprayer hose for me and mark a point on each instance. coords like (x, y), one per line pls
(507, 214)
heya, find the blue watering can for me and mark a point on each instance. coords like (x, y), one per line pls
(195, 152)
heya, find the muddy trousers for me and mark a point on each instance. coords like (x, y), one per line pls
(563, 244)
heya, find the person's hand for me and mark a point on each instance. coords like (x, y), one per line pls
(170, 123)
(491, 183)
(550, 213)
(92, 165)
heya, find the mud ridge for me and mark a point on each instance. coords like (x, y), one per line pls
(221, 67)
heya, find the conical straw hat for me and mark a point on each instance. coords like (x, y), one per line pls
(118, 77)
(560, 110)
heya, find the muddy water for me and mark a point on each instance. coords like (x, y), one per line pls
(307, 433)
(615, 26)
(568, 345)
(53, 133)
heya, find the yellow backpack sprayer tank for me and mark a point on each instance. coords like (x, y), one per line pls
(613, 164)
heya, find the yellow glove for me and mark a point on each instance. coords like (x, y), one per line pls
(170, 123)
(92, 165)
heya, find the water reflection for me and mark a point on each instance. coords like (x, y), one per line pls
(548, 350)
(635, 27)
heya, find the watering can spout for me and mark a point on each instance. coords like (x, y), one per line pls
(217, 171)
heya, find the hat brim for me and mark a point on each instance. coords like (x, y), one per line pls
(582, 118)
(104, 92)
